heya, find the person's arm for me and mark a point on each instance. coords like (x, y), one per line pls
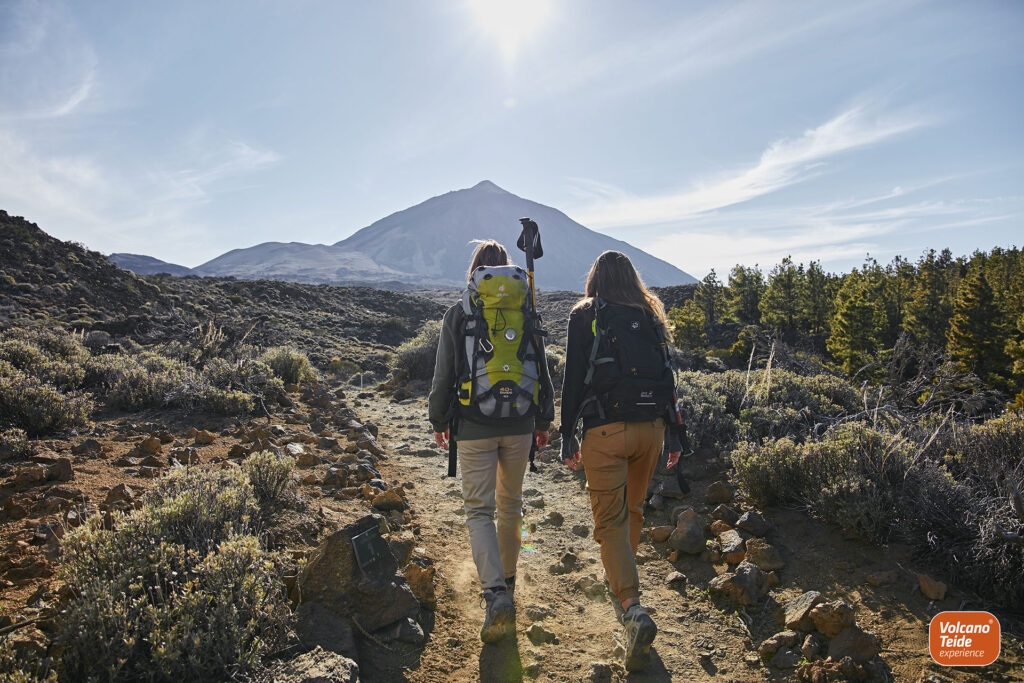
(442, 392)
(546, 413)
(576, 358)
(575, 371)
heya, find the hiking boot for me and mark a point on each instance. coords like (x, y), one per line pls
(510, 586)
(639, 631)
(500, 615)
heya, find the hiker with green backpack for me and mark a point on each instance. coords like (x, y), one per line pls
(620, 383)
(491, 394)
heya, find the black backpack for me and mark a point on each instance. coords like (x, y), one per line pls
(629, 374)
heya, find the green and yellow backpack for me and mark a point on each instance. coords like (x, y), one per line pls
(499, 375)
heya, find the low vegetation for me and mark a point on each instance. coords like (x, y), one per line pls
(50, 381)
(414, 360)
(180, 589)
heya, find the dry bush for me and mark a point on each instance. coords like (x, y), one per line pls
(414, 360)
(271, 478)
(178, 590)
(882, 487)
(136, 382)
(289, 364)
(13, 443)
(722, 408)
(36, 407)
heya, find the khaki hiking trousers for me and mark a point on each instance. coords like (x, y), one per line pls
(619, 459)
(492, 480)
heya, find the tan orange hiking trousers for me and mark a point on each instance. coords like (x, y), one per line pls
(620, 459)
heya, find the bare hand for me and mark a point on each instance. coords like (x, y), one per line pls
(673, 459)
(540, 437)
(574, 462)
(441, 439)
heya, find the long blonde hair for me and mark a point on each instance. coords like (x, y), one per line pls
(614, 279)
(487, 253)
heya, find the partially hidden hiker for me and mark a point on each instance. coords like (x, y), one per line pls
(492, 395)
(620, 382)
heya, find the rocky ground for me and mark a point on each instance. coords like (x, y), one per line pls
(772, 594)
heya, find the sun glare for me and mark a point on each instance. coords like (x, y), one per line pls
(509, 23)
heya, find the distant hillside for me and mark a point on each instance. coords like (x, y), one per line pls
(147, 265)
(428, 245)
(42, 277)
(45, 281)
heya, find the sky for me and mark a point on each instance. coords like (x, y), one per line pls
(707, 133)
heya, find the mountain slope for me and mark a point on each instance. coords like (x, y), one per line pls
(298, 262)
(433, 239)
(429, 245)
(147, 265)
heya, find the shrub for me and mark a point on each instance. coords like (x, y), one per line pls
(341, 368)
(55, 344)
(232, 403)
(62, 368)
(17, 667)
(705, 411)
(271, 478)
(291, 365)
(414, 360)
(989, 453)
(13, 443)
(145, 380)
(722, 408)
(176, 591)
(878, 486)
(36, 407)
(246, 374)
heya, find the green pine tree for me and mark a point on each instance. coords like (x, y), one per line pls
(710, 298)
(857, 323)
(975, 339)
(896, 290)
(817, 300)
(929, 307)
(746, 286)
(688, 325)
(780, 304)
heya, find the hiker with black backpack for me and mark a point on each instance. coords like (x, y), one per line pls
(492, 395)
(619, 381)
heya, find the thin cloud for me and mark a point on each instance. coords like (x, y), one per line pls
(121, 208)
(47, 69)
(784, 163)
(816, 232)
(717, 38)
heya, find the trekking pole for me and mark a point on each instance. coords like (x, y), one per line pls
(529, 242)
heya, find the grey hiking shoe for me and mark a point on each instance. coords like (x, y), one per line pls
(500, 616)
(639, 631)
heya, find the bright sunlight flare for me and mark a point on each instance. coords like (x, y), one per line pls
(510, 23)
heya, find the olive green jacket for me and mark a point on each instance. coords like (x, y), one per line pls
(442, 390)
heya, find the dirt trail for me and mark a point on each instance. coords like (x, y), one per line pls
(700, 639)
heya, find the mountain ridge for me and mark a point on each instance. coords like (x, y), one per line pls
(429, 245)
